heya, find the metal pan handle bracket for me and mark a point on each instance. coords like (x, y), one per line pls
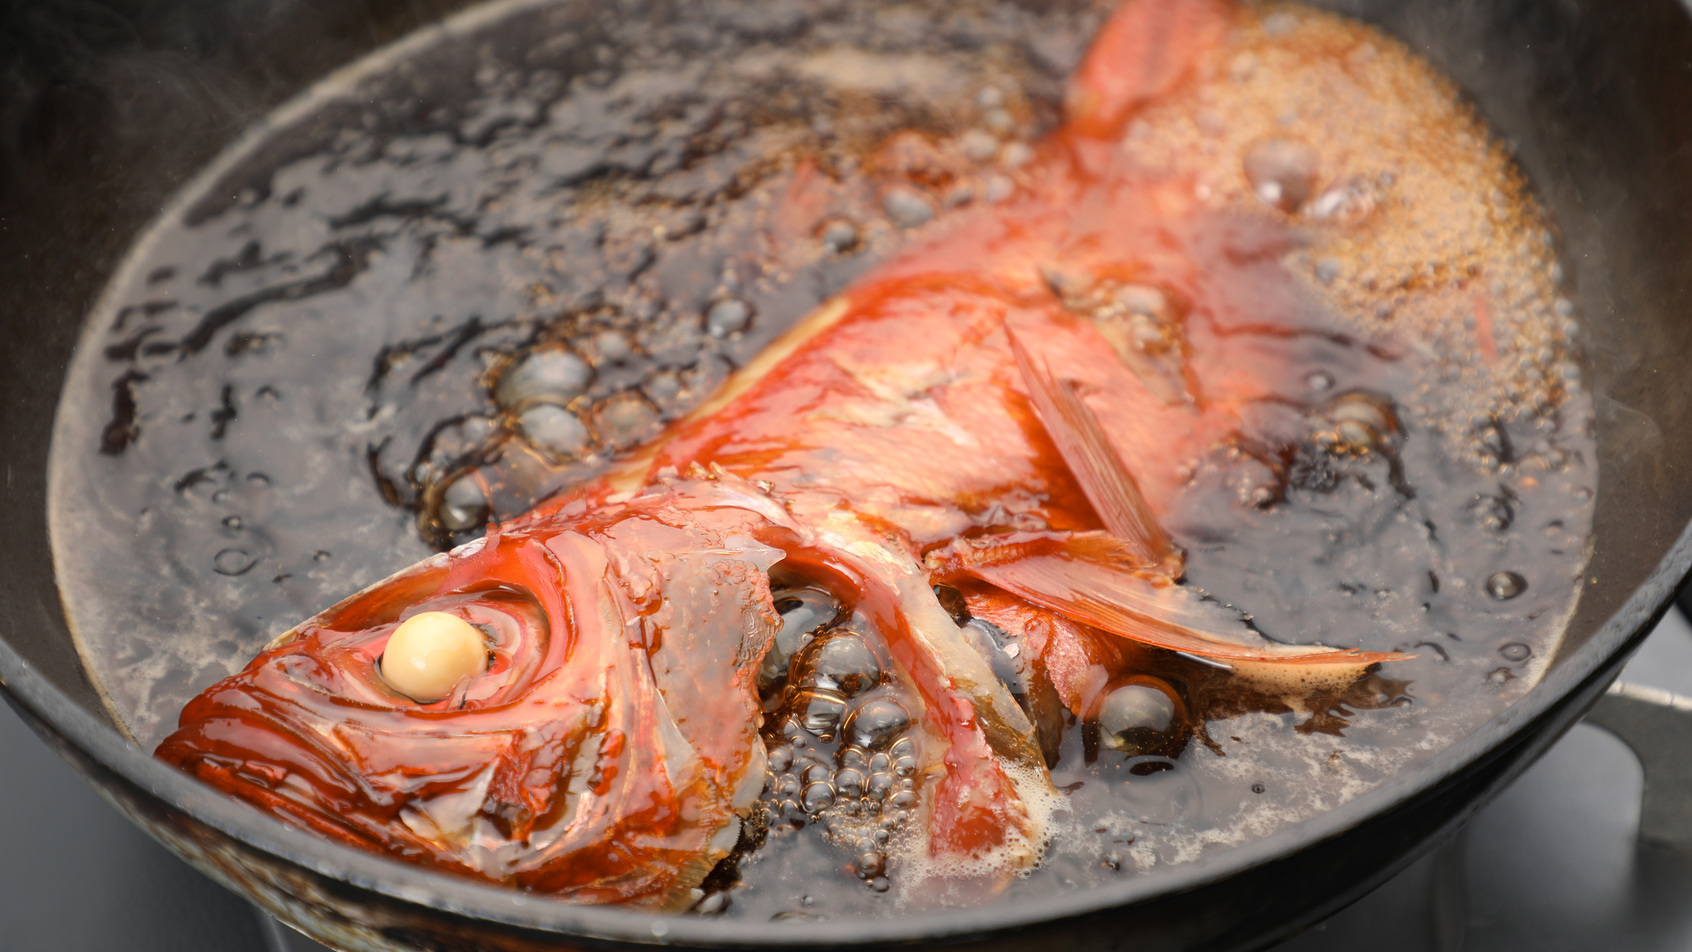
(1657, 724)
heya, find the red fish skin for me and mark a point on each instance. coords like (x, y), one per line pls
(914, 389)
(889, 424)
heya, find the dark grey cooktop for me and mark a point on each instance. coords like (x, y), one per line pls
(1551, 865)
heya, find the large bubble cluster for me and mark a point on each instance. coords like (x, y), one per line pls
(843, 752)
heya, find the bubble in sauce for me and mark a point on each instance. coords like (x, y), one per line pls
(816, 797)
(555, 375)
(555, 430)
(1348, 202)
(840, 661)
(1490, 512)
(1282, 171)
(803, 612)
(1489, 444)
(464, 505)
(854, 757)
(1504, 586)
(907, 207)
(612, 346)
(871, 864)
(728, 316)
(849, 781)
(233, 562)
(1015, 155)
(840, 235)
(625, 419)
(1141, 715)
(877, 723)
(880, 785)
(820, 710)
(1357, 423)
(979, 145)
(663, 388)
(1516, 652)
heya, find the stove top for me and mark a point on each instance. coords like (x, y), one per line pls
(1552, 864)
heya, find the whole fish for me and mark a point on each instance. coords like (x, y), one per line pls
(1000, 411)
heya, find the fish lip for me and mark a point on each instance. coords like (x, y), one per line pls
(190, 751)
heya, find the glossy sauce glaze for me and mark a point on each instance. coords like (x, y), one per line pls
(1304, 295)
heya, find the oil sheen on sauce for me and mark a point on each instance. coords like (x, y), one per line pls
(473, 270)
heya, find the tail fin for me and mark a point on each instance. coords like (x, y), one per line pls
(1145, 49)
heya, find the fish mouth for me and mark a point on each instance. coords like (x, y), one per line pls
(270, 766)
(440, 787)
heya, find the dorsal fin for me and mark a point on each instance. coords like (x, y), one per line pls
(1104, 477)
(1142, 52)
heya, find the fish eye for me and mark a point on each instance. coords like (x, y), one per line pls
(430, 654)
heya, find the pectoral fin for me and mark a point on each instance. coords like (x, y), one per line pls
(1092, 579)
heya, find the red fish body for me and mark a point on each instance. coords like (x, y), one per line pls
(1004, 410)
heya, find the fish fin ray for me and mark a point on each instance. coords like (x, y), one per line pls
(1084, 577)
(1142, 52)
(1086, 448)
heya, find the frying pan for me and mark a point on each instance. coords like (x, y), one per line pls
(107, 108)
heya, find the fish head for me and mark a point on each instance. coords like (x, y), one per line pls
(602, 742)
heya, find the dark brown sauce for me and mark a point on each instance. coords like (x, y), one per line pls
(310, 375)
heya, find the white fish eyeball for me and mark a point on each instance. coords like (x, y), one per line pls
(430, 653)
